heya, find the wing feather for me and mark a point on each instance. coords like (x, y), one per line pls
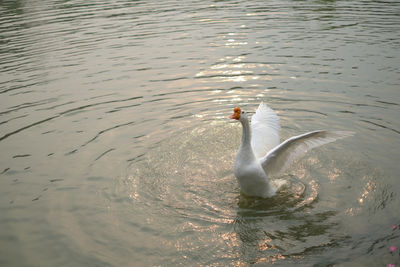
(265, 130)
(281, 157)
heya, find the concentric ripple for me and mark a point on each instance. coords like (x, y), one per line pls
(115, 149)
(187, 183)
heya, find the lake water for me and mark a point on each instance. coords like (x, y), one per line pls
(116, 149)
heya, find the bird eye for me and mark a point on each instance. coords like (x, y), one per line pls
(242, 112)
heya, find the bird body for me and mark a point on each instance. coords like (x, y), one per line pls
(260, 155)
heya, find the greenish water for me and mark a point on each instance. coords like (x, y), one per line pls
(116, 149)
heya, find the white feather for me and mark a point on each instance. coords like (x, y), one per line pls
(281, 157)
(254, 164)
(265, 129)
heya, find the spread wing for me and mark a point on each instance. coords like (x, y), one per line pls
(265, 130)
(281, 157)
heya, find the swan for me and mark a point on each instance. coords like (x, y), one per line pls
(261, 155)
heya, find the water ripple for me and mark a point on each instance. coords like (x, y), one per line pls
(114, 133)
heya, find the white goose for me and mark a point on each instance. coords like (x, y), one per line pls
(260, 155)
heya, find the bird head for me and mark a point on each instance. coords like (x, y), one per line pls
(237, 113)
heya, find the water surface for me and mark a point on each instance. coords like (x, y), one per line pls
(116, 149)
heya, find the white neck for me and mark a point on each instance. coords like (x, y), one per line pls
(245, 146)
(246, 133)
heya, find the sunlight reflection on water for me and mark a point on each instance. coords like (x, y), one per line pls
(116, 148)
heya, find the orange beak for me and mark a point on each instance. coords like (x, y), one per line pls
(236, 113)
